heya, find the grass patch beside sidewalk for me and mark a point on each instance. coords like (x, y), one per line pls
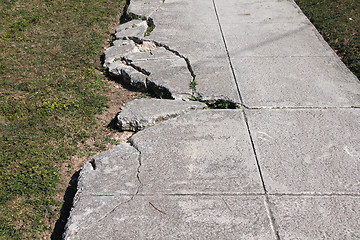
(50, 91)
(339, 23)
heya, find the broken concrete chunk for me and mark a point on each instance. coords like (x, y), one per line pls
(142, 113)
(124, 42)
(169, 77)
(132, 29)
(115, 53)
(128, 25)
(117, 166)
(149, 51)
(128, 75)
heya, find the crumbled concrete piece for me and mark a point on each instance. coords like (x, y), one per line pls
(128, 75)
(142, 113)
(135, 30)
(146, 46)
(115, 53)
(110, 173)
(169, 77)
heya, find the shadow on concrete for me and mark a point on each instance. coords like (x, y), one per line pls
(66, 207)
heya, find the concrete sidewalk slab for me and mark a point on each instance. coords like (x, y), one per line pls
(296, 82)
(259, 11)
(274, 39)
(317, 217)
(308, 151)
(202, 152)
(284, 166)
(181, 217)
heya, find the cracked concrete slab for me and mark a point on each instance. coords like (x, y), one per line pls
(183, 217)
(264, 173)
(111, 172)
(308, 151)
(317, 217)
(110, 176)
(201, 152)
(195, 174)
(142, 113)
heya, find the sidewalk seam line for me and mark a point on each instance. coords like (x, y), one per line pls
(267, 201)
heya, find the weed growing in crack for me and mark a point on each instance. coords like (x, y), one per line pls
(221, 104)
(193, 85)
(149, 30)
(196, 98)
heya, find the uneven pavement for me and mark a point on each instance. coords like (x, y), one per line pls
(283, 163)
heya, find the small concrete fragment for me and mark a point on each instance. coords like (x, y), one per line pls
(128, 75)
(116, 53)
(317, 217)
(142, 113)
(133, 31)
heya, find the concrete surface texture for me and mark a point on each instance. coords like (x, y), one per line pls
(286, 165)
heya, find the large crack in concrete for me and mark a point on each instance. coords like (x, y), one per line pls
(119, 59)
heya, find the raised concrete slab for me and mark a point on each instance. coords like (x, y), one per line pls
(317, 217)
(142, 113)
(308, 151)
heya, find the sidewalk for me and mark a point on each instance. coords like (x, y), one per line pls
(285, 164)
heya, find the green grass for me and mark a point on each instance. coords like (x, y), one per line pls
(339, 23)
(50, 92)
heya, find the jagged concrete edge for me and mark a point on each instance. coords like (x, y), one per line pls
(92, 165)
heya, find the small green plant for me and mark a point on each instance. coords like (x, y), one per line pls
(193, 85)
(196, 98)
(149, 30)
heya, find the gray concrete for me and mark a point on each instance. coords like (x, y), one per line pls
(317, 217)
(308, 151)
(190, 177)
(280, 59)
(178, 217)
(203, 152)
(284, 166)
(142, 113)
